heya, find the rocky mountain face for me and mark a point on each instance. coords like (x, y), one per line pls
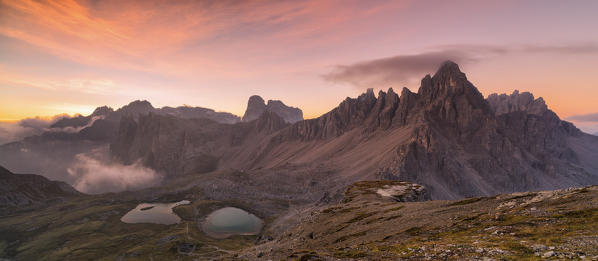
(467, 146)
(256, 107)
(18, 190)
(525, 101)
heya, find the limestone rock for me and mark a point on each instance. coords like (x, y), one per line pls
(256, 107)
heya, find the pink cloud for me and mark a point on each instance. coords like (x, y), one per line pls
(181, 37)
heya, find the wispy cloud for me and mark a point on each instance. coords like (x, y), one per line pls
(405, 69)
(400, 69)
(17, 130)
(160, 36)
(592, 117)
(586, 122)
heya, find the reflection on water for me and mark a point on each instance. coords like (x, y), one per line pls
(157, 213)
(230, 221)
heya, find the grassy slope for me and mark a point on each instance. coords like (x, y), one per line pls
(561, 224)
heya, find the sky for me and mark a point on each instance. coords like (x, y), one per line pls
(72, 56)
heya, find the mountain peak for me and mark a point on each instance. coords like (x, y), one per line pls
(256, 100)
(140, 103)
(137, 107)
(102, 111)
(448, 66)
(449, 72)
(256, 106)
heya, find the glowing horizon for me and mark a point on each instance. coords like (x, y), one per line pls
(73, 56)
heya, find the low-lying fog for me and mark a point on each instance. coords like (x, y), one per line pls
(93, 173)
(85, 165)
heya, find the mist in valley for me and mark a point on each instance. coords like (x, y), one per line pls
(93, 173)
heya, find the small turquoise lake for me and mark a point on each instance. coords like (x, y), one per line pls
(229, 221)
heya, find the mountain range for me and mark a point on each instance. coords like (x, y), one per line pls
(308, 179)
(447, 137)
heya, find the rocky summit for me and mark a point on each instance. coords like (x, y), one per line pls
(256, 107)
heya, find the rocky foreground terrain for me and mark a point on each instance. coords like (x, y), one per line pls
(371, 224)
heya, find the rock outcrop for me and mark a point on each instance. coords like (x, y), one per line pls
(525, 101)
(398, 191)
(256, 107)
